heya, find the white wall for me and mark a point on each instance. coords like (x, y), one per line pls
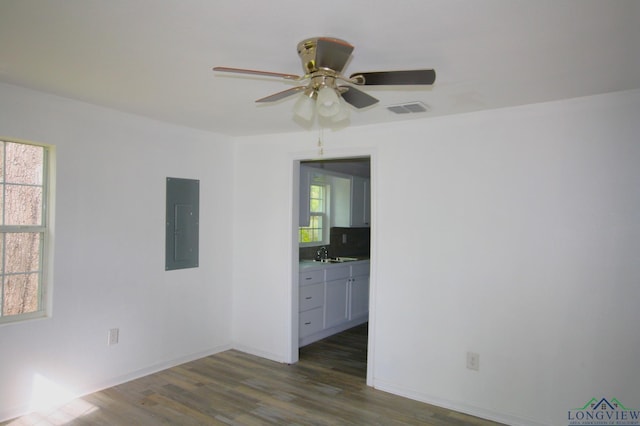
(263, 227)
(109, 251)
(511, 233)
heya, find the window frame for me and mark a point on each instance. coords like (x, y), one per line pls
(44, 229)
(324, 215)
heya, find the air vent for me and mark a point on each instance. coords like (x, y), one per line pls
(408, 108)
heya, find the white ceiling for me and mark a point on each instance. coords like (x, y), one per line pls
(154, 58)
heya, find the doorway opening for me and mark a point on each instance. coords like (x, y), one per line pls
(333, 247)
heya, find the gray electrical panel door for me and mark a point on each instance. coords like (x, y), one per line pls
(183, 221)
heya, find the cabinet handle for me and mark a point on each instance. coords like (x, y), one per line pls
(307, 323)
(307, 278)
(308, 298)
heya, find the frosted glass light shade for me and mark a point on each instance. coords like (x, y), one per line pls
(328, 103)
(304, 107)
(343, 114)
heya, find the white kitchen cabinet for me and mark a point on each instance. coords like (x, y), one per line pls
(359, 297)
(360, 202)
(311, 322)
(359, 291)
(311, 296)
(350, 204)
(336, 307)
(311, 302)
(311, 276)
(337, 295)
(340, 201)
(305, 181)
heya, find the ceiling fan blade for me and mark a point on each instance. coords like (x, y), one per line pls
(256, 72)
(357, 97)
(332, 53)
(282, 95)
(406, 77)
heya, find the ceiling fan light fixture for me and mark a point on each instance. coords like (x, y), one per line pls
(343, 114)
(328, 102)
(305, 106)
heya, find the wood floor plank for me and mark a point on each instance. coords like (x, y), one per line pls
(326, 387)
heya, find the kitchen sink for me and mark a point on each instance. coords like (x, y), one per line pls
(338, 260)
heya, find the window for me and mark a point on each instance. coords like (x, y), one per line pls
(23, 229)
(316, 231)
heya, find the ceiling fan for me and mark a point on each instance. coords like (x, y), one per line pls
(323, 61)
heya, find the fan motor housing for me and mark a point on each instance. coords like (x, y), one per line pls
(309, 54)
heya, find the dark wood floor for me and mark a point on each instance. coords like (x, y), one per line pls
(327, 387)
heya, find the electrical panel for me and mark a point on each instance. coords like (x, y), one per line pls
(182, 223)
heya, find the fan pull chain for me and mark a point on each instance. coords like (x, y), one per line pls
(320, 143)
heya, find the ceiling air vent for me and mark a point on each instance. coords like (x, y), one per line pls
(408, 108)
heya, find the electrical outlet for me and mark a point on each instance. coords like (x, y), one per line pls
(112, 338)
(473, 361)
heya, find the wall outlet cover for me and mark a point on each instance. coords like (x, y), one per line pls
(113, 336)
(473, 361)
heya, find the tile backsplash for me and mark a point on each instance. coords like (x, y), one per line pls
(354, 242)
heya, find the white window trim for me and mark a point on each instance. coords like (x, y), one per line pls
(46, 241)
(325, 218)
(325, 233)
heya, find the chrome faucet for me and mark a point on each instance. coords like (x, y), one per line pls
(322, 254)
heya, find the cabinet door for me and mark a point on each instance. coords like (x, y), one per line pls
(335, 303)
(310, 322)
(359, 297)
(360, 202)
(367, 203)
(311, 296)
(311, 277)
(304, 196)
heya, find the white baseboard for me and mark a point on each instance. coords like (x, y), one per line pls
(260, 353)
(461, 407)
(159, 367)
(304, 341)
(25, 409)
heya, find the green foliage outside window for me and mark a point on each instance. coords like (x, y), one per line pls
(317, 204)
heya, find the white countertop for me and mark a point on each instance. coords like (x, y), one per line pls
(312, 264)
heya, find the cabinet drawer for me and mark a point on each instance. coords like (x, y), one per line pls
(311, 277)
(337, 273)
(310, 322)
(311, 296)
(360, 269)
